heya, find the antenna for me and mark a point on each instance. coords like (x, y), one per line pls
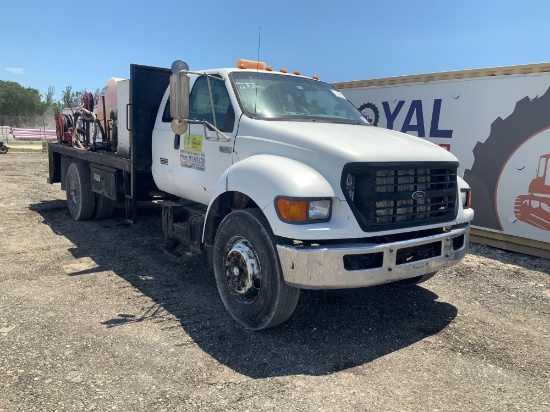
(259, 41)
(258, 68)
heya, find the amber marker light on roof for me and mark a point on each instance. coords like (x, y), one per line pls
(283, 70)
(250, 64)
(297, 72)
(268, 68)
(315, 77)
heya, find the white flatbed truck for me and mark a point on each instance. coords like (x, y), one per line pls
(276, 179)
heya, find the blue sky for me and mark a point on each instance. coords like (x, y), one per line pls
(82, 44)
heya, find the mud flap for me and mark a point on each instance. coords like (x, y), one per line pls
(104, 181)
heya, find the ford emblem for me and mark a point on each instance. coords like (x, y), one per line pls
(418, 195)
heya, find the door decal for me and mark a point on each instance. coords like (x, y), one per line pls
(191, 156)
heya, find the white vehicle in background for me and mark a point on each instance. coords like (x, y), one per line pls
(276, 179)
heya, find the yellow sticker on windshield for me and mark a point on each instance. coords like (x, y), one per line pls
(192, 142)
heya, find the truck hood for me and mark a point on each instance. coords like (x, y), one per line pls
(314, 142)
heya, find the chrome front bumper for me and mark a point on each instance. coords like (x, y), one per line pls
(322, 267)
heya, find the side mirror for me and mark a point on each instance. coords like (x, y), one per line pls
(179, 101)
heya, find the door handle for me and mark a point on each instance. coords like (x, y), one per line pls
(177, 141)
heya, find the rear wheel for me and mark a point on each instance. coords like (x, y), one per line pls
(80, 198)
(248, 273)
(4, 149)
(103, 207)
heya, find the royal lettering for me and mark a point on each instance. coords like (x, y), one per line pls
(414, 119)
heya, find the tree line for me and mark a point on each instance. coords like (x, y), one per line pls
(16, 100)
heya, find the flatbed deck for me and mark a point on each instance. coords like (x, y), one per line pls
(99, 157)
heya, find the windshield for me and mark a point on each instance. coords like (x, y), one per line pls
(274, 96)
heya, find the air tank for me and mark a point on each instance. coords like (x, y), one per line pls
(107, 111)
(109, 93)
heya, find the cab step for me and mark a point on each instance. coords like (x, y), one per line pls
(183, 226)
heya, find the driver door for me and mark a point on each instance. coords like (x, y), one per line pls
(202, 157)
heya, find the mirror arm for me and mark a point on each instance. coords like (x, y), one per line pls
(179, 125)
(202, 74)
(205, 124)
(212, 103)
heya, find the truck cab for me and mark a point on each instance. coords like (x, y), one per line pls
(343, 203)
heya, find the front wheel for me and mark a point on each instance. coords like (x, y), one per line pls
(4, 149)
(248, 273)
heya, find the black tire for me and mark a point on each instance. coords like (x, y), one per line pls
(3, 149)
(416, 280)
(103, 207)
(80, 198)
(248, 273)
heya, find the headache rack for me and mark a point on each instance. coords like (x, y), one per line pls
(385, 196)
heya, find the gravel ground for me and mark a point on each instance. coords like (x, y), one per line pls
(93, 316)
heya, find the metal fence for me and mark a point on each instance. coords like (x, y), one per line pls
(4, 133)
(40, 127)
(45, 121)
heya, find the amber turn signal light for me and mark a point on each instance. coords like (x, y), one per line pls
(292, 210)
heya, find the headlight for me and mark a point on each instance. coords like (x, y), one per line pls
(466, 198)
(291, 210)
(319, 209)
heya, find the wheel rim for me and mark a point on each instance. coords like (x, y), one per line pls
(242, 270)
(73, 193)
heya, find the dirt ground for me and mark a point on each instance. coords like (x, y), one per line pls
(93, 316)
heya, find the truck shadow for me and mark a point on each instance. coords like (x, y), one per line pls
(330, 330)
